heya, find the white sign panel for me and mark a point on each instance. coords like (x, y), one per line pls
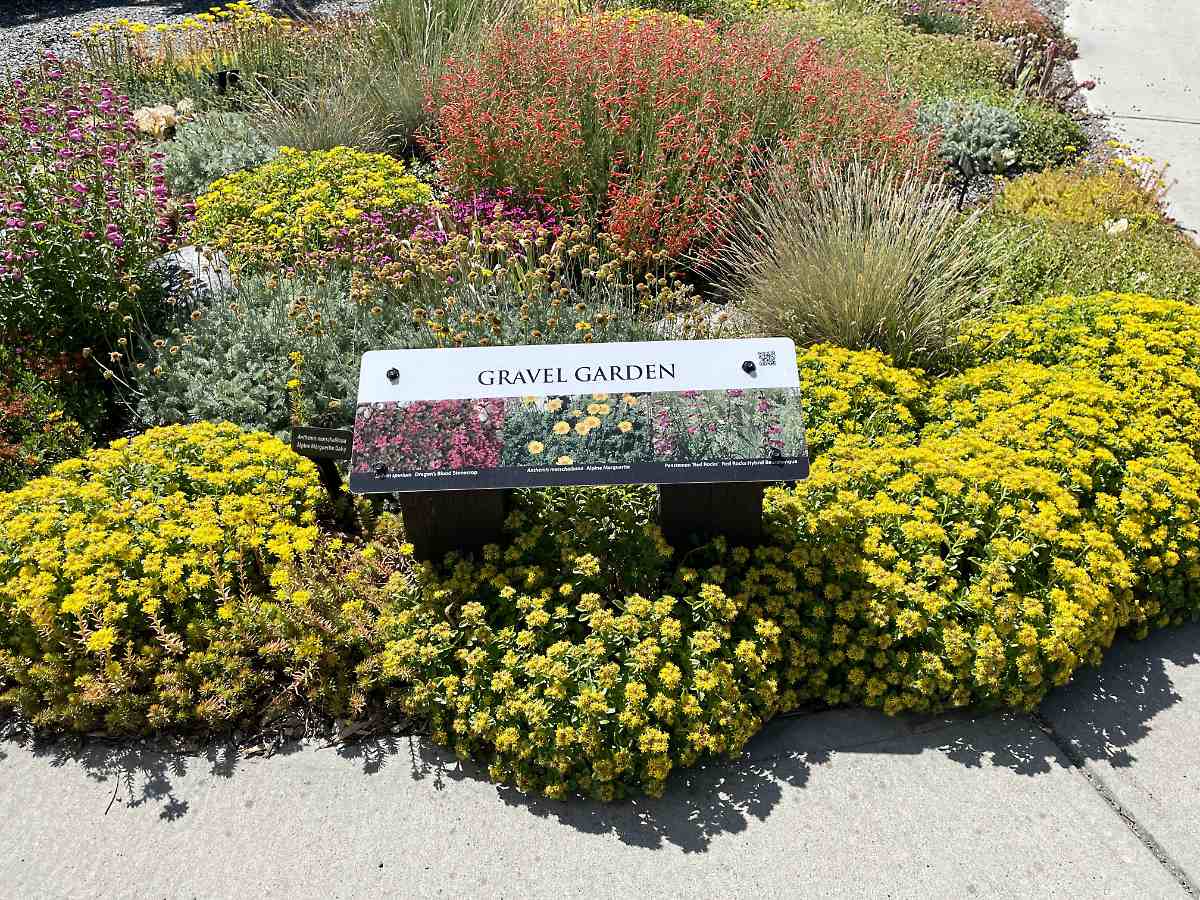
(619, 413)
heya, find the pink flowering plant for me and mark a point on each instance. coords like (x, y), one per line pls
(723, 425)
(84, 210)
(427, 435)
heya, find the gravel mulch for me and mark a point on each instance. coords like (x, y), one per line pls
(27, 27)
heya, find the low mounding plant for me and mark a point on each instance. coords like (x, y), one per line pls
(857, 393)
(83, 210)
(37, 423)
(861, 258)
(116, 569)
(1056, 258)
(975, 139)
(924, 66)
(300, 201)
(646, 124)
(211, 146)
(284, 350)
(1117, 195)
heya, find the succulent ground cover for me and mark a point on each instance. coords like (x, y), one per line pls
(999, 353)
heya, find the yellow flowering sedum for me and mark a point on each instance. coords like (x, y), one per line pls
(301, 200)
(856, 392)
(111, 567)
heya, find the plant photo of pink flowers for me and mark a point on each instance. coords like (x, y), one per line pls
(427, 436)
(727, 425)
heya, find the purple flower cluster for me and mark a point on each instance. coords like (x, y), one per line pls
(425, 237)
(82, 205)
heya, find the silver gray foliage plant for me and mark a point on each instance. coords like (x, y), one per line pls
(211, 146)
(232, 358)
(976, 138)
(860, 258)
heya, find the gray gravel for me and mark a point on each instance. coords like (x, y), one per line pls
(27, 27)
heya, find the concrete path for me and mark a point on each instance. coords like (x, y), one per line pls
(1143, 55)
(1097, 797)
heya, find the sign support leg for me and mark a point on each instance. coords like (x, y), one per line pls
(689, 512)
(437, 522)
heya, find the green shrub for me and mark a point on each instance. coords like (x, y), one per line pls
(1049, 136)
(211, 146)
(283, 350)
(857, 392)
(115, 569)
(300, 201)
(37, 422)
(925, 66)
(1047, 259)
(864, 260)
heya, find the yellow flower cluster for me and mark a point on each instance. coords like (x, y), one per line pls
(1104, 390)
(235, 15)
(856, 392)
(1125, 193)
(942, 574)
(111, 566)
(534, 661)
(301, 201)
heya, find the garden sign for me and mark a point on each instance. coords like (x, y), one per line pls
(673, 413)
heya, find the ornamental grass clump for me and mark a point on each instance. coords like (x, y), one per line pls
(116, 569)
(300, 202)
(84, 211)
(646, 126)
(861, 258)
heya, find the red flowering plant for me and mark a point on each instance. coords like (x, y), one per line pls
(424, 436)
(83, 209)
(649, 125)
(731, 424)
(37, 425)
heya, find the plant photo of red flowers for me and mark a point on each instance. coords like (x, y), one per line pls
(427, 436)
(727, 425)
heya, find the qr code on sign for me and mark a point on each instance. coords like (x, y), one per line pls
(766, 357)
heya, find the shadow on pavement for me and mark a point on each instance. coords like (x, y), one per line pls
(1102, 715)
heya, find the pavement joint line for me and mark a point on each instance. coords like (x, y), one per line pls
(1098, 784)
(1174, 120)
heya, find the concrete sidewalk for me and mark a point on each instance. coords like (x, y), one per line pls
(1142, 56)
(1097, 797)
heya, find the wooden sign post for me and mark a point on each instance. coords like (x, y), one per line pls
(452, 431)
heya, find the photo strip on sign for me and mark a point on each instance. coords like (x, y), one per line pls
(649, 412)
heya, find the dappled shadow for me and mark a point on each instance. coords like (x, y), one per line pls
(1105, 711)
(1101, 716)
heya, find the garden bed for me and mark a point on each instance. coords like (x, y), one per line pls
(1000, 394)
